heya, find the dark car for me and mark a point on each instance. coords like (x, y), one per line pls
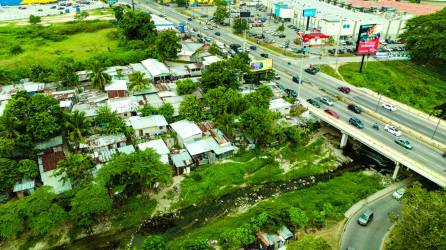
(365, 218)
(296, 79)
(217, 33)
(53, 7)
(314, 103)
(264, 55)
(344, 89)
(234, 46)
(356, 122)
(252, 47)
(444, 155)
(291, 92)
(282, 35)
(312, 70)
(189, 19)
(332, 113)
(354, 108)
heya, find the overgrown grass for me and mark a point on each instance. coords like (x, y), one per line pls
(342, 192)
(404, 81)
(327, 69)
(281, 51)
(135, 210)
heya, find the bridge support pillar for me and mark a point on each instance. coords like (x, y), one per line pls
(344, 140)
(395, 172)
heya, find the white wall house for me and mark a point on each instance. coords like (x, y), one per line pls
(148, 125)
(186, 131)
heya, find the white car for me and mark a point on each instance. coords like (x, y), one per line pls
(389, 107)
(398, 193)
(327, 101)
(277, 76)
(205, 27)
(391, 129)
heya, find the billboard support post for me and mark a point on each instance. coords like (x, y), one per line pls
(362, 63)
(308, 23)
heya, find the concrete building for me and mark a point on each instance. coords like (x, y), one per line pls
(157, 70)
(281, 106)
(189, 51)
(116, 89)
(159, 147)
(186, 131)
(148, 126)
(125, 106)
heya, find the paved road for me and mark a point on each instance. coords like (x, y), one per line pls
(426, 155)
(370, 236)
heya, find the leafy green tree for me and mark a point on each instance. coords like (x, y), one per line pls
(219, 74)
(260, 98)
(186, 86)
(65, 72)
(76, 168)
(90, 204)
(81, 16)
(226, 123)
(214, 49)
(220, 2)
(147, 110)
(181, 3)
(9, 126)
(138, 81)
(98, 78)
(137, 25)
(309, 242)
(240, 25)
(198, 243)
(7, 146)
(258, 123)
(118, 12)
(16, 49)
(192, 109)
(153, 242)
(327, 208)
(9, 175)
(224, 101)
(135, 172)
(167, 45)
(318, 218)
(11, 221)
(220, 14)
(34, 19)
(40, 73)
(281, 28)
(422, 224)
(166, 110)
(424, 37)
(109, 122)
(28, 168)
(298, 217)
(239, 237)
(78, 127)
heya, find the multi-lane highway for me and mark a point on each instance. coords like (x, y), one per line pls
(426, 155)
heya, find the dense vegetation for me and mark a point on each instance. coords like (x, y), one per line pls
(403, 81)
(423, 221)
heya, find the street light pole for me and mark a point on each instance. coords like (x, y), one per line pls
(300, 78)
(438, 124)
(379, 100)
(337, 42)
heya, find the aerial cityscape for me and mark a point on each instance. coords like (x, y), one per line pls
(223, 124)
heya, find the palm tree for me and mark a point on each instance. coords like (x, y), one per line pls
(78, 127)
(97, 76)
(138, 82)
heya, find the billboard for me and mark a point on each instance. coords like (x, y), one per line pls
(309, 12)
(260, 65)
(245, 14)
(368, 39)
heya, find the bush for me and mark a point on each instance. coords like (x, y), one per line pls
(16, 49)
(186, 86)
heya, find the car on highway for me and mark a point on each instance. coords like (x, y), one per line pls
(264, 55)
(356, 122)
(276, 76)
(327, 100)
(354, 108)
(389, 107)
(252, 47)
(217, 33)
(189, 19)
(365, 218)
(332, 113)
(296, 79)
(291, 92)
(393, 130)
(404, 142)
(344, 89)
(312, 70)
(314, 103)
(53, 7)
(399, 193)
(22, 8)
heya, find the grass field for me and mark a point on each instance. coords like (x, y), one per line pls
(329, 71)
(341, 192)
(403, 81)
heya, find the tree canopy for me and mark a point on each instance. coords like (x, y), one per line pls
(109, 122)
(192, 109)
(220, 14)
(186, 86)
(167, 45)
(153, 242)
(9, 175)
(28, 168)
(240, 25)
(425, 38)
(137, 25)
(75, 168)
(423, 221)
(258, 123)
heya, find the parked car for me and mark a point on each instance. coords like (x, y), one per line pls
(217, 33)
(252, 47)
(264, 55)
(314, 103)
(354, 108)
(296, 79)
(356, 122)
(332, 113)
(312, 70)
(40, 10)
(327, 100)
(291, 92)
(276, 76)
(391, 129)
(398, 194)
(53, 7)
(344, 89)
(389, 107)
(365, 218)
(22, 8)
(404, 142)
(189, 19)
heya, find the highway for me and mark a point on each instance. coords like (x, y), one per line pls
(426, 155)
(371, 236)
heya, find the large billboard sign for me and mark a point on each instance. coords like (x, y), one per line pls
(309, 12)
(260, 65)
(368, 39)
(245, 14)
